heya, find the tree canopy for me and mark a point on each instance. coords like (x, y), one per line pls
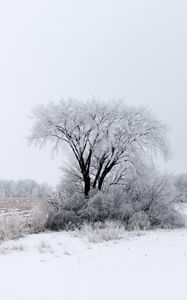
(105, 138)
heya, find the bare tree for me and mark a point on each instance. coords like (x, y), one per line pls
(104, 137)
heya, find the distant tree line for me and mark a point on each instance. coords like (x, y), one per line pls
(24, 189)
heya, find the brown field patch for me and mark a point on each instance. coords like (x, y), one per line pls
(22, 206)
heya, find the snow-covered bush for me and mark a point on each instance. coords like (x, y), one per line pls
(139, 221)
(97, 208)
(74, 203)
(110, 205)
(102, 232)
(12, 225)
(65, 219)
(164, 216)
(39, 216)
(180, 182)
(144, 202)
(65, 211)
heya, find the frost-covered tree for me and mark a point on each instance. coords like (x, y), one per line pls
(104, 137)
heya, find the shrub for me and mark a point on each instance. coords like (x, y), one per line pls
(110, 205)
(12, 225)
(96, 209)
(117, 203)
(102, 232)
(139, 221)
(74, 203)
(65, 219)
(144, 202)
(164, 216)
(40, 215)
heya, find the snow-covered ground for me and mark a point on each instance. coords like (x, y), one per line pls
(50, 266)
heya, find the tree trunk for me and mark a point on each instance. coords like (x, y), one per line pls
(86, 186)
(104, 174)
(101, 180)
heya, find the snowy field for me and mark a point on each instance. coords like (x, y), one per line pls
(50, 266)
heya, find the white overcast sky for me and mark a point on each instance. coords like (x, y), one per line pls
(136, 49)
